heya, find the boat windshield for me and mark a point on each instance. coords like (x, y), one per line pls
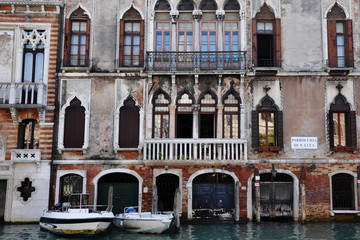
(79, 200)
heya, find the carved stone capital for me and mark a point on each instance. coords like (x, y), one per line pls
(220, 15)
(174, 16)
(197, 14)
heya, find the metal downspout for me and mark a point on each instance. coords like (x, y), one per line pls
(56, 109)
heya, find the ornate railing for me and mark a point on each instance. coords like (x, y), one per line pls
(195, 61)
(266, 62)
(23, 93)
(195, 149)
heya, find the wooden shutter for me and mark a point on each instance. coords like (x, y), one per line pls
(332, 53)
(88, 25)
(353, 135)
(67, 42)
(254, 42)
(141, 60)
(349, 53)
(277, 43)
(21, 135)
(331, 130)
(279, 129)
(121, 43)
(129, 127)
(74, 127)
(255, 129)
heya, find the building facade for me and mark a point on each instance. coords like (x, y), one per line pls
(247, 109)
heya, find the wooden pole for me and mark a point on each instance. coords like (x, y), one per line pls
(257, 195)
(177, 201)
(155, 200)
(303, 194)
(237, 201)
(110, 198)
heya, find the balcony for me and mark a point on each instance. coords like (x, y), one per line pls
(195, 61)
(24, 95)
(195, 150)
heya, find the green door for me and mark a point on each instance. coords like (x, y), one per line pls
(3, 184)
(124, 195)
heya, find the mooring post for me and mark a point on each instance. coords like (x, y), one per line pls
(237, 201)
(177, 201)
(155, 200)
(302, 192)
(257, 194)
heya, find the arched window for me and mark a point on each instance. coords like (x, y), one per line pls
(33, 65)
(131, 39)
(161, 115)
(267, 126)
(74, 125)
(266, 39)
(340, 42)
(342, 125)
(207, 126)
(28, 134)
(184, 119)
(69, 184)
(342, 187)
(231, 113)
(129, 125)
(77, 39)
(185, 5)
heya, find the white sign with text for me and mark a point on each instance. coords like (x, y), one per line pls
(304, 142)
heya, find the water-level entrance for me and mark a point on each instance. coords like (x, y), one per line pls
(213, 196)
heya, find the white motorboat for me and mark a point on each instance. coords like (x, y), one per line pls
(77, 218)
(142, 222)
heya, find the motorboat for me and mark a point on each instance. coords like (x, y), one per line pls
(76, 217)
(142, 222)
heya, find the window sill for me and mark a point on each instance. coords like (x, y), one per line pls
(333, 212)
(116, 150)
(344, 149)
(83, 150)
(126, 69)
(75, 69)
(269, 149)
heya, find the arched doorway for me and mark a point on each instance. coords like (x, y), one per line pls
(213, 196)
(276, 195)
(125, 191)
(166, 185)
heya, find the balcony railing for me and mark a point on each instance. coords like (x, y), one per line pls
(195, 61)
(340, 63)
(23, 93)
(25, 155)
(75, 61)
(266, 63)
(195, 149)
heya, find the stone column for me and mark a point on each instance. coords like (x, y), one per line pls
(220, 15)
(220, 109)
(174, 16)
(195, 108)
(197, 14)
(172, 118)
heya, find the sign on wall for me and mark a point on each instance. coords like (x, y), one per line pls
(304, 143)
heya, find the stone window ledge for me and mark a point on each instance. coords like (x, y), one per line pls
(333, 212)
(116, 150)
(72, 150)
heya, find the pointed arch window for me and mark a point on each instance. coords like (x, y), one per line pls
(266, 30)
(131, 39)
(161, 115)
(33, 65)
(74, 128)
(267, 126)
(184, 118)
(342, 125)
(231, 113)
(207, 126)
(69, 184)
(185, 5)
(340, 40)
(77, 39)
(129, 125)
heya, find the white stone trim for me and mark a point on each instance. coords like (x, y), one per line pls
(332, 212)
(121, 15)
(118, 170)
(189, 185)
(61, 173)
(62, 122)
(68, 15)
(295, 193)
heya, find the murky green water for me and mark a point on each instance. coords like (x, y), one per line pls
(265, 230)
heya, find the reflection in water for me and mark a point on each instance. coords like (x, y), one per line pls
(264, 230)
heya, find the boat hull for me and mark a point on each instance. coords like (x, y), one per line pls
(65, 223)
(143, 223)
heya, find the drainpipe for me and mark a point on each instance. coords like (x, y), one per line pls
(56, 109)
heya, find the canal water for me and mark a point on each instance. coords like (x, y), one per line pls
(265, 230)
